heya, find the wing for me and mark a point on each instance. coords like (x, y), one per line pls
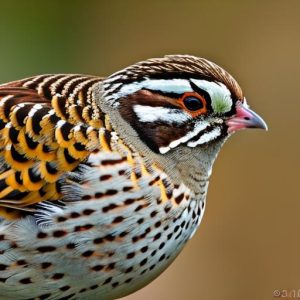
(48, 126)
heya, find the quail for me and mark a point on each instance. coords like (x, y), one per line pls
(103, 180)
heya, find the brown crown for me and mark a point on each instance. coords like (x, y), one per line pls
(178, 66)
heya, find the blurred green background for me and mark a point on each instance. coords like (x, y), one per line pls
(248, 244)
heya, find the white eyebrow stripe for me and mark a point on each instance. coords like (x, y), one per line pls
(206, 137)
(147, 113)
(211, 86)
(178, 86)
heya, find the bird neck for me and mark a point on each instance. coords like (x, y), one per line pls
(193, 166)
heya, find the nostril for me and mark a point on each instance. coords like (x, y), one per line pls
(246, 118)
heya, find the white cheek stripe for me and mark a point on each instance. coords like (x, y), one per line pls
(147, 113)
(199, 127)
(206, 137)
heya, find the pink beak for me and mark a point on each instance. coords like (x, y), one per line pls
(245, 118)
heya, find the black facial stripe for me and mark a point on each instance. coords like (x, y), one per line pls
(208, 129)
(198, 136)
(203, 93)
(232, 110)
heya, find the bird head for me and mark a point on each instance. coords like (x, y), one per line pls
(179, 102)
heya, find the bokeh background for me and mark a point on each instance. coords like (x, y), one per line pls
(248, 244)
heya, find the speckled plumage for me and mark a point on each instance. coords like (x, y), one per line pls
(91, 206)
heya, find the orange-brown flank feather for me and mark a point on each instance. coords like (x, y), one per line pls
(48, 125)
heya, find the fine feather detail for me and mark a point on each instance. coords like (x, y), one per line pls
(38, 139)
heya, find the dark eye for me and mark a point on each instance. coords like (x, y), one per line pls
(193, 103)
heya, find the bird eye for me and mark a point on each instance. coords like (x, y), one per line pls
(193, 103)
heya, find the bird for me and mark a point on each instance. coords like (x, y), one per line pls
(103, 180)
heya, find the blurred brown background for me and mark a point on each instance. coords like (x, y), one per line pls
(248, 244)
